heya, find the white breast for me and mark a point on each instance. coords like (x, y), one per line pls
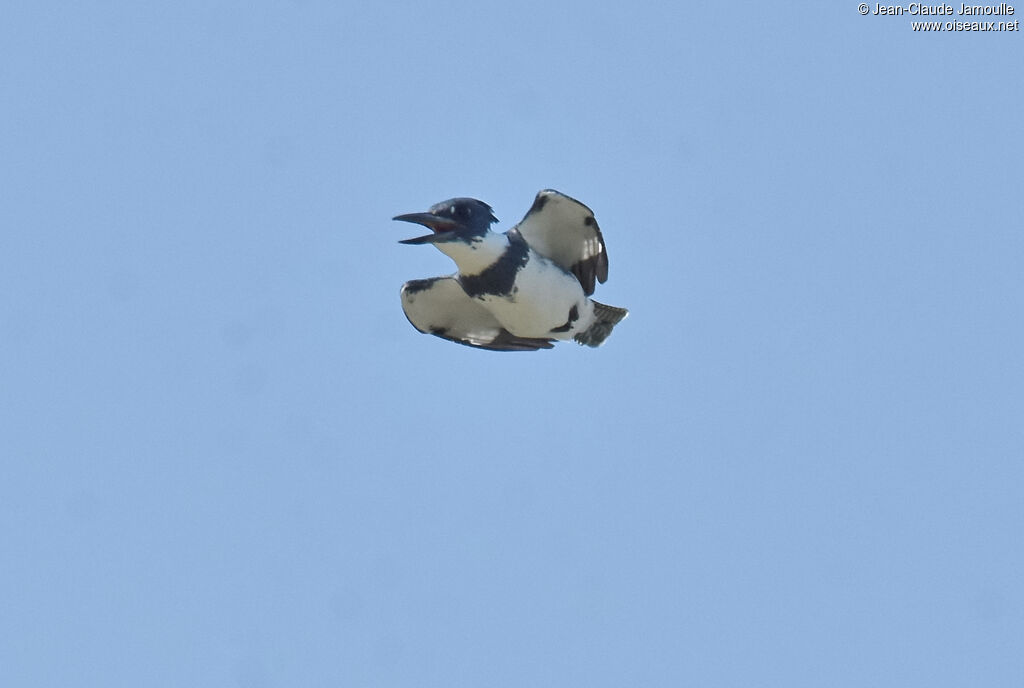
(543, 296)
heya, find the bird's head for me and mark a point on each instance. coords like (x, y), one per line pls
(457, 219)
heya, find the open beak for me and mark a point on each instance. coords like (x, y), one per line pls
(440, 226)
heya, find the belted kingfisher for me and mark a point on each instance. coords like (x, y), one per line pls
(516, 291)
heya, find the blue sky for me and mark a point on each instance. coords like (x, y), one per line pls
(226, 459)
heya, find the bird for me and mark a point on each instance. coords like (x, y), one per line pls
(520, 290)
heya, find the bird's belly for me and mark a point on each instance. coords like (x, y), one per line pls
(543, 299)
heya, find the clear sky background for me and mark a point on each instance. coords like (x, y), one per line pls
(226, 459)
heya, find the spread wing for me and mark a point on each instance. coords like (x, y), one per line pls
(440, 307)
(564, 230)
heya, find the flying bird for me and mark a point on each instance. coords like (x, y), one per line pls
(520, 290)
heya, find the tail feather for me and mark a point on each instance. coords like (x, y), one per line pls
(605, 318)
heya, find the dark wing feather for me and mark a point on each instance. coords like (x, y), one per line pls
(440, 307)
(564, 230)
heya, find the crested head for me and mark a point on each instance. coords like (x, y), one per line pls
(469, 213)
(457, 219)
